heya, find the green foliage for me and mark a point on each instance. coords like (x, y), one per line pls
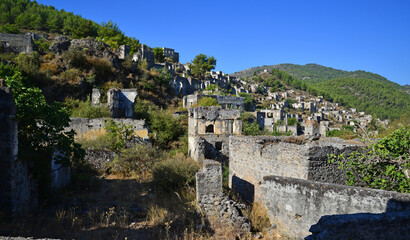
(174, 174)
(260, 89)
(208, 101)
(40, 126)
(164, 127)
(159, 54)
(381, 165)
(248, 101)
(211, 87)
(119, 134)
(142, 109)
(293, 122)
(29, 63)
(10, 28)
(202, 64)
(111, 34)
(137, 160)
(250, 128)
(374, 97)
(42, 45)
(31, 15)
(78, 108)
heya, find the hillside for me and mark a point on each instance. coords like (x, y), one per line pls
(314, 73)
(365, 91)
(376, 98)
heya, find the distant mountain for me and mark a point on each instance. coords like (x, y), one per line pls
(314, 73)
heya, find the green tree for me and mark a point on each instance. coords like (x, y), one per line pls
(40, 126)
(159, 54)
(202, 64)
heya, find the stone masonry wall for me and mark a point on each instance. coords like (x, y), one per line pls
(252, 158)
(17, 191)
(212, 200)
(84, 125)
(294, 205)
(16, 43)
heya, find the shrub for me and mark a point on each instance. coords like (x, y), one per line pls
(102, 67)
(382, 165)
(164, 128)
(250, 128)
(208, 101)
(78, 108)
(259, 217)
(29, 63)
(113, 137)
(174, 173)
(137, 160)
(72, 76)
(43, 45)
(75, 59)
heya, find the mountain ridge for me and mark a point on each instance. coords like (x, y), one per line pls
(315, 73)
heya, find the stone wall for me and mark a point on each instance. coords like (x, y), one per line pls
(209, 180)
(17, 191)
(294, 205)
(16, 43)
(251, 158)
(84, 126)
(99, 159)
(212, 200)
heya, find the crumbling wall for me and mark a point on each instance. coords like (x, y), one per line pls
(251, 158)
(17, 190)
(294, 205)
(84, 126)
(16, 43)
(211, 198)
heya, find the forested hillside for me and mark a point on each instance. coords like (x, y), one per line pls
(376, 98)
(17, 15)
(314, 73)
(365, 91)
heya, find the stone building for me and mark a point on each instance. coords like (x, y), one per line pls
(171, 54)
(145, 53)
(120, 102)
(209, 129)
(16, 43)
(226, 102)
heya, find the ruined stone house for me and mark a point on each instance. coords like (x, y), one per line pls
(120, 102)
(209, 129)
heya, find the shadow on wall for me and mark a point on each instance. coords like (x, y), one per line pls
(392, 224)
(245, 189)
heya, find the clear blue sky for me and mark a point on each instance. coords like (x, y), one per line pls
(368, 35)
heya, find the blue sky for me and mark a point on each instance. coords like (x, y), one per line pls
(368, 35)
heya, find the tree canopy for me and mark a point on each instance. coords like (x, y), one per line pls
(202, 64)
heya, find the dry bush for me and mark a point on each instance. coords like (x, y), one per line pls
(71, 76)
(102, 67)
(50, 68)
